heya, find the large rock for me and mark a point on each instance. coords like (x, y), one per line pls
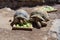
(55, 29)
(7, 12)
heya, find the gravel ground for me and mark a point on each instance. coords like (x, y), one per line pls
(6, 32)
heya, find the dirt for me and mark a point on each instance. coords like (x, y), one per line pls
(6, 32)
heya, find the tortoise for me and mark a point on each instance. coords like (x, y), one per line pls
(40, 18)
(20, 17)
